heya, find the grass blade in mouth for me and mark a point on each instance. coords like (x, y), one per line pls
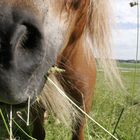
(11, 123)
(28, 114)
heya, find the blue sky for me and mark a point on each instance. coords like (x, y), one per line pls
(125, 30)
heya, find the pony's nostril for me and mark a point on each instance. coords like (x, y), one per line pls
(33, 36)
(26, 35)
(18, 36)
(9, 39)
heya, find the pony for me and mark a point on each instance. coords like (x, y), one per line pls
(38, 34)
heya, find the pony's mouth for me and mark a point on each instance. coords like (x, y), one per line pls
(17, 106)
(16, 111)
(28, 102)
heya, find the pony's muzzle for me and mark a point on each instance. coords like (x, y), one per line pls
(21, 55)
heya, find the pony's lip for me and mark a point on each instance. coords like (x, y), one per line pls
(19, 105)
(15, 106)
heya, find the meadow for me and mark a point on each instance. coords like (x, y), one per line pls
(116, 110)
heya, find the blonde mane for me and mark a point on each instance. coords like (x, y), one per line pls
(98, 39)
(93, 30)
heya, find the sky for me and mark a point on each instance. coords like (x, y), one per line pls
(124, 30)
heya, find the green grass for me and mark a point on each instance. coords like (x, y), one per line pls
(107, 106)
(128, 65)
(106, 109)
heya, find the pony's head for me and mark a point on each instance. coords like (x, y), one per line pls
(34, 32)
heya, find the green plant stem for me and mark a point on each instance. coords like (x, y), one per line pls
(7, 128)
(23, 131)
(118, 121)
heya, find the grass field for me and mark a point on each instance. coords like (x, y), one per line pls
(106, 109)
(128, 65)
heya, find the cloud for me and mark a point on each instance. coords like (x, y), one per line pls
(123, 12)
(125, 31)
(125, 44)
